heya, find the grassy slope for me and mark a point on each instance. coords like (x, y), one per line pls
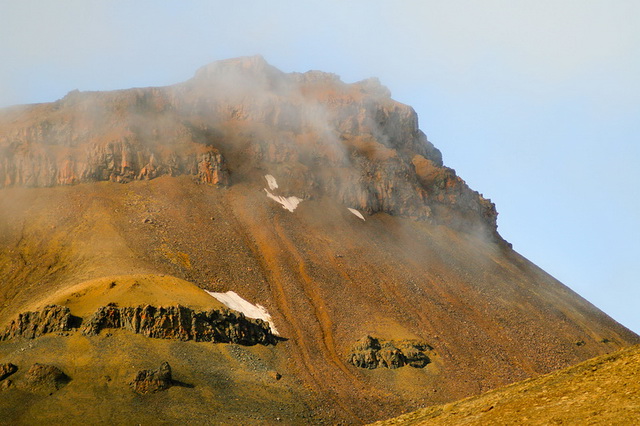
(220, 383)
(603, 390)
(129, 290)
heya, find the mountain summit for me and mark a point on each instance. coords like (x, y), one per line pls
(351, 142)
(283, 245)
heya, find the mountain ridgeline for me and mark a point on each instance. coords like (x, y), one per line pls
(186, 223)
(351, 142)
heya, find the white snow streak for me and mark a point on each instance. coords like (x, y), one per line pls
(356, 212)
(289, 203)
(271, 181)
(232, 301)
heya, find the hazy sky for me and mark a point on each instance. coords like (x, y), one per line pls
(536, 104)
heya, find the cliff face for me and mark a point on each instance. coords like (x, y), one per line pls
(30, 325)
(53, 151)
(351, 142)
(173, 322)
(181, 323)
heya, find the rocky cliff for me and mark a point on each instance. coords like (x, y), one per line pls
(50, 319)
(181, 323)
(351, 142)
(172, 322)
(36, 156)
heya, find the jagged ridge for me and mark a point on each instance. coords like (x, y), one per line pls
(182, 323)
(173, 322)
(351, 142)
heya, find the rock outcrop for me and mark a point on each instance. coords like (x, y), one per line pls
(115, 161)
(44, 378)
(372, 353)
(351, 142)
(181, 323)
(51, 319)
(173, 322)
(7, 369)
(151, 381)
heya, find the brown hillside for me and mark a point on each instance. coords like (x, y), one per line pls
(601, 391)
(168, 184)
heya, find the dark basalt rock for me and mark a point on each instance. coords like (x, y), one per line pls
(181, 323)
(150, 381)
(173, 322)
(371, 353)
(51, 319)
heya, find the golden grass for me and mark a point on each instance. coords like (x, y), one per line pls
(130, 290)
(601, 391)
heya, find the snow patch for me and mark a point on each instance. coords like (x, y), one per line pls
(288, 203)
(233, 301)
(271, 181)
(356, 212)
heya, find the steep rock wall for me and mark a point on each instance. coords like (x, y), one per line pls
(173, 322)
(181, 323)
(50, 319)
(351, 142)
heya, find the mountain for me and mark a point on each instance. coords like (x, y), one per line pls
(600, 391)
(371, 279)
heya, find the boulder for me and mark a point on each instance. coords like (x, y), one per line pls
(370, 352)
(44, 378)
(6, 370)
(151, 381)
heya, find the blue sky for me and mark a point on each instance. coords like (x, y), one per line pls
(536, 104)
